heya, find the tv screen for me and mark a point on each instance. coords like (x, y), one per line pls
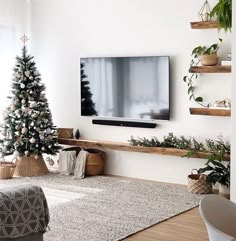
(125, 87)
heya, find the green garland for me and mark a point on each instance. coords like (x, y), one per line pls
(219, 146)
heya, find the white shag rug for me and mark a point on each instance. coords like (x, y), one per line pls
(105, 208)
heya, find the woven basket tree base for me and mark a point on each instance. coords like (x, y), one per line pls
(28, 166)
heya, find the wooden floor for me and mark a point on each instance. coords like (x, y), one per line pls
(184, 227)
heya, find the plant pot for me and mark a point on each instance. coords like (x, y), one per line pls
(209, 59)
(28, 166)
(224, 191)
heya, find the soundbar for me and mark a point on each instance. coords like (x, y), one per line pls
(124, 123)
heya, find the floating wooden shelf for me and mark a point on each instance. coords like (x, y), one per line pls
(204, 25)
(210, 69)
(210, 111)
(126, 147)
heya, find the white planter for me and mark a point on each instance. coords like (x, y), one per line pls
(224, 191)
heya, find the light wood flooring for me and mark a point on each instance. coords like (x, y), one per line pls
(185, 227)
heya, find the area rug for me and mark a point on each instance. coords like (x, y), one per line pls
(105, 208)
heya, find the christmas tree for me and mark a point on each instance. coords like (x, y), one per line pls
(87, 104)
(27, 127)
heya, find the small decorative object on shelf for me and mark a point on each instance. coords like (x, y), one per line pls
(66, 133)
(204, 13)
(77, 134)
(228, 61)
(226, 103)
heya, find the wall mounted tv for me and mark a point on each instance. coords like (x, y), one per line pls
(127, 88)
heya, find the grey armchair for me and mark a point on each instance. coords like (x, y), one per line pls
(24, 214)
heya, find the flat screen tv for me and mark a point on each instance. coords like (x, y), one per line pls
(130, 88)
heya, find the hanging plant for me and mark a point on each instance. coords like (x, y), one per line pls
(208, 57)
(223, 13)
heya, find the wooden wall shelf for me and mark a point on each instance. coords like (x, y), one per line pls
(204, 25)
(210, 111)
(210, 69)
(126, 147)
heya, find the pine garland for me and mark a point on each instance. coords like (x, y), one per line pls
(191, 144)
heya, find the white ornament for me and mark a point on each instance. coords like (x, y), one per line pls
(31, 92)
(32, 124)
(26, 153)
(36, 157)
(31, 77)
(43, 148)
(22, 86)
(32, 140)
(17, 133)
(33, 104)
(13, 107)
(23, 101)
(48, 131)
(17, 127)
(27, 73)
(4, 149)
(24, 130)
(16, 153)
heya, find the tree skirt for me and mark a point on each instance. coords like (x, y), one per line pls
(106, 208)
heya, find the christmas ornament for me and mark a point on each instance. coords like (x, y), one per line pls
(43, 148)
(22, 86)
(33, 104)
(13, 107)
(23, 102)
(16, 153)
(32, 140)
(26, 153)
(48, 131)
(24, 130)
(17, 127)
(27, 73)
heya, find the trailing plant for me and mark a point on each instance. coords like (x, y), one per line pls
(223, 13)
(189, 79)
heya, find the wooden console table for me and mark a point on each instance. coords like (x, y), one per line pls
(127, 147)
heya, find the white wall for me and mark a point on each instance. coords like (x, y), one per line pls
(12, 16)
(233, 139)
(62, 31)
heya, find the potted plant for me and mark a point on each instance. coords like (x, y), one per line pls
(223, 13)
(207, 55)
(217, 169)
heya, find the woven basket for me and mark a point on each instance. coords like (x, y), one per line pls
(28, 166)
(7, 170)
(197, 183)
(95, 162)
(66, 133)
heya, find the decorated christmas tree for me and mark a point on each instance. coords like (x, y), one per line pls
(87, 104)
(27, 129)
